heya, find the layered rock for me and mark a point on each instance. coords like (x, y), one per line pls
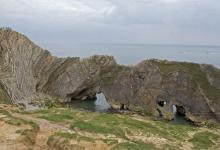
(154, 87)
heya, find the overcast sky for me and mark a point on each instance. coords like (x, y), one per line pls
(194, 22)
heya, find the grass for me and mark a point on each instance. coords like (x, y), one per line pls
(73, 136)
(29, 135)
(13, 121)
(63, 139)
(125, 145)
(10, 119)
(175, 131)
(34, 126)
(113, 124)
(18, 121)
(57, 117)
(62, 115)
(115, 128)
(77, 137)
(134, 146)
(4, 112)
(5, 101)
(120, 126)
(204, 140)
(41, 111)
(95, 128)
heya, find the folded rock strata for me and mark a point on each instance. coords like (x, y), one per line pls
(154, 87)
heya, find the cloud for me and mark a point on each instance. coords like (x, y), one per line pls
(137, 21)
(55, 8)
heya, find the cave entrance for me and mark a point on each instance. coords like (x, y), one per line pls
(179, 115)
(98, 103)
(161, 103)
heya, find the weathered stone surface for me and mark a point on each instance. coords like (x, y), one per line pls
(29, 73)
(144, 86)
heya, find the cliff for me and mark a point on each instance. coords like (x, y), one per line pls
(153, 87)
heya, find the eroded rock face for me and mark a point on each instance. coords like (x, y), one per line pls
(144, 87)
(29, 73)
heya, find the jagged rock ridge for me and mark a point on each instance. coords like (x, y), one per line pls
(28, 73)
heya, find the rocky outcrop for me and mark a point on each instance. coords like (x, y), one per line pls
(154, 87)
(29, 72)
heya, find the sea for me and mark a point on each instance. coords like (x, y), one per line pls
(131, 54)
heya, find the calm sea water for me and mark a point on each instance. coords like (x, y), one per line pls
(131, 54)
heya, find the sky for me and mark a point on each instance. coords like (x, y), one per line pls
(188, 22)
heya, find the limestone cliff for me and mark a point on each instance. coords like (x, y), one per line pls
(27, 73)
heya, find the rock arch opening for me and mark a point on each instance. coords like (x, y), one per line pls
(98, 102)
(179, 114)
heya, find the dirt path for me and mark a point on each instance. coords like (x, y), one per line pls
(8, 136)
(46, 129)
(10, 139)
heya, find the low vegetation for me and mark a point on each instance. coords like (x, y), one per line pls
(28, 135)
(10, 119)
(204, 140)
(125, 127)
(85, 130)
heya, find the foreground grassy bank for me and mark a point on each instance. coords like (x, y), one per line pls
(64, 128)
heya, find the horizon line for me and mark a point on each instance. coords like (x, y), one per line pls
(153, 44)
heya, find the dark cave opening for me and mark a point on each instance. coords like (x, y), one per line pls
(161, 103)
(124, 107)
(180, 110)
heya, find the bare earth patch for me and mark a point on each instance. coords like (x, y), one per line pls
(17, 128)
(9, 139)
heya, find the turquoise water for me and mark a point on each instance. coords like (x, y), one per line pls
(99, 104)
(180, 120)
